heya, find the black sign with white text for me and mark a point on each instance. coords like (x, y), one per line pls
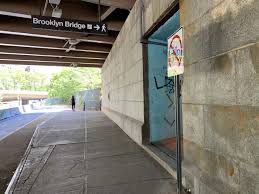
(62, 24)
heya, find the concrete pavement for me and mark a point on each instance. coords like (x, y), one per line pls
(79, 152)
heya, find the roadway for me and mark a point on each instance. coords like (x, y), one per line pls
(10, 125)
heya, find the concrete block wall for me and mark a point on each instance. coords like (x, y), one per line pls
(220, 91)
(122, 73)
(221, 96)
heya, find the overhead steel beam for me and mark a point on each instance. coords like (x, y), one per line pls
(29, 42)
(112, 25)
(122, 4)
(75, 7)
(5, 50)
(52, 59)
(81, 49)
(47, 63)
(25, 29)
(107, 13)
(34, 42)
(23, 7)
(78, 11)
(13, 14)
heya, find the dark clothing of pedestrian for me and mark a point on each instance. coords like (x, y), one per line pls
(84, 107)
(73, 102)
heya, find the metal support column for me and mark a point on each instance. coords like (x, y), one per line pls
(99, 10)
(178, 134)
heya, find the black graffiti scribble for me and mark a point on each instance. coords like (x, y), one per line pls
(158, 87)
(169, 84)
(168, 122)
(171, 101)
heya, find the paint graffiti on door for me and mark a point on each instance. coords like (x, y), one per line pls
(168, 84)
(168, 122)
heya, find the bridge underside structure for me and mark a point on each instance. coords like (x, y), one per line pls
(20, 44)
(22, 95)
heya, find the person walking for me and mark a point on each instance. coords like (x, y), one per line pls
(84, 107)
(73, 102)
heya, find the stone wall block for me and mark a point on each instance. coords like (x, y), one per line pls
(193, 43)
(248, 91)
(223, 64)
(227, 26)
(156, 9)
(191, 156)
(194, 10)
(137, 131)
(194, 89)
(204, 189)
(221, 80)
(249, 179)
(221, 90)
(127, 126)
(232, 22)
(138, 52)
(221, 133)
(165, 4)
(141, 112)
(247, 62)
(248, 146)
(216, 167)
(138, 32)
(227, 170)
(254, 51)
(139, 70)
(209, 184)
(135, 92)
(193, 127)
(122, 80)
(133, 35)
(148, 17)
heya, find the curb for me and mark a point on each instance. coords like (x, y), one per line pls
(12, 184)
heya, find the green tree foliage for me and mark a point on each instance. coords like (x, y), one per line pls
(71, 80)
(62, 85)
(18, 79)
(90, 77)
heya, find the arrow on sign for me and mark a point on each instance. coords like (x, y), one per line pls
(97, 27)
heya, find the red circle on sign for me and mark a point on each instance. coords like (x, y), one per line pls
(179, 59)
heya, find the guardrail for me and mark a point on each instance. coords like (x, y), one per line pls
(9, 112)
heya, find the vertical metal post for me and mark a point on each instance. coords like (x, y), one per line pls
(99, 10)
(45, 7)
(178, 135)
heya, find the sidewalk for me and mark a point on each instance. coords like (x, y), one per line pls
(79, 152)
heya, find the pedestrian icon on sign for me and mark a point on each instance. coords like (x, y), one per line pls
(103, 28)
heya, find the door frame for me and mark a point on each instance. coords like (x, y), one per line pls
(174, 7)
(170, 11)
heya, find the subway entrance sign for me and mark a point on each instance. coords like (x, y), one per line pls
(176, 54)
(61, 24)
